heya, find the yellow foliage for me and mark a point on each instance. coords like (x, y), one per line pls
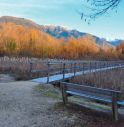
(25, 41)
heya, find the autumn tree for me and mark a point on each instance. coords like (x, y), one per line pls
(24, 41)
(120, 50)
(10, 45)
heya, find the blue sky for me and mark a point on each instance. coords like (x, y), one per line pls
(63, 13)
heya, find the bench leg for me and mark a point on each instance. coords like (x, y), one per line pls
(64, 95)
(115, 111)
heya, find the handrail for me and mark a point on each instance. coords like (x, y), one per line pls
(74, 67)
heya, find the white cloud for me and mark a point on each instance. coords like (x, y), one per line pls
(43, 4)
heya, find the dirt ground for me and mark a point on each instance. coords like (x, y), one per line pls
(22, 104)
(4, 78)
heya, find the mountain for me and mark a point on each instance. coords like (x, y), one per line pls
(116, 42)
(61, 32)
(56, 31)
(19, 21)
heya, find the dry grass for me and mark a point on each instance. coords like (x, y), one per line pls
(110, 79)
(22, 67)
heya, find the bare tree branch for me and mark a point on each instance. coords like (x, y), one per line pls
(97, 8)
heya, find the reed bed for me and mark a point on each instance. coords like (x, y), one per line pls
(109, 79)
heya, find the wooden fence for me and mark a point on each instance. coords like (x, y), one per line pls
(32, 67)
(63, 68)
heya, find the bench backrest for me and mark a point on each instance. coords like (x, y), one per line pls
(92, 91)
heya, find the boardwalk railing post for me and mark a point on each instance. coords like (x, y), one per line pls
(83, 67)
(71, 68)
(30, 70)
(95, 66)
(63, 71)
(90, 67)
(104, 65)
(79, 67)
(61, 68)
(74, 69)
(48, 69)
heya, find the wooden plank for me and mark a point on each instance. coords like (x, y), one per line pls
(93, 94)
(51, 70)
(91, 89)
(39, 71)
(90, 97)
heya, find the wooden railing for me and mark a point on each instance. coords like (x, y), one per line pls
(32, 67)
(54, 68)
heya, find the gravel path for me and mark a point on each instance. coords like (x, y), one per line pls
(22, 106)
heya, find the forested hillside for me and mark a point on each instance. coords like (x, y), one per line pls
(58, 31)
(18, 40)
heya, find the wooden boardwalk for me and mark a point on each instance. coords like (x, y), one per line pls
(60, 77)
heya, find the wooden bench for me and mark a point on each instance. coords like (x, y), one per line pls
(93, 93)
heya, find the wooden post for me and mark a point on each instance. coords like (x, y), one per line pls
(90, 67)
(64, 94)
(95, 66)
(114, 107)
(74, 69)
(71, 70)
(63, 71)
(30, 70)
(79, 67)
(83, 67)
(48, 67)
(61, 67)
(104, 65)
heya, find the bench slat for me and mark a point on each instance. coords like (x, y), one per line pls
(91, 97)
(84, 88)
(104, 96)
